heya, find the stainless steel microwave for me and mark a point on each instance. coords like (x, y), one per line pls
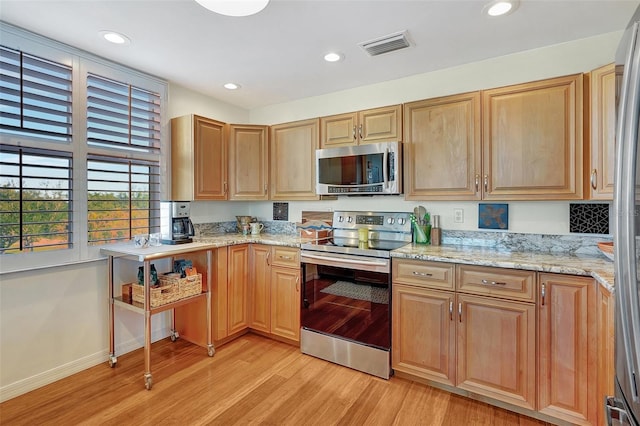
(369, 169)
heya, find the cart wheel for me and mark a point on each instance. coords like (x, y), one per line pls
(211, 350)
(148, 381)
(174, 336)
(112, 361)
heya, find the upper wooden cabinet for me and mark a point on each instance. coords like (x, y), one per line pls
(293, 160)
(442, 151)
(372, 125)
(532, 140)
(602, 132)
(198, 158)
(248, 162)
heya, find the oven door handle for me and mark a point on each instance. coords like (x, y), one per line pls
(343, 260)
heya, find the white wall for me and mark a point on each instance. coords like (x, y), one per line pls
(53, 322)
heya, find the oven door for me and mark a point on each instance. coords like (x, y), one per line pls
(347, 296)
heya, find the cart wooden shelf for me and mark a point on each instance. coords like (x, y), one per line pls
(145, 256)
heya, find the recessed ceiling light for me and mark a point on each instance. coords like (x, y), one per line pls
(115, 38)
(333, 57)
(500, 7)
(234, 8)
(231, 86)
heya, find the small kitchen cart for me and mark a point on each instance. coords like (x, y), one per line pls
(145, 256)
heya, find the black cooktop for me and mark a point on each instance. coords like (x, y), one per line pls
(375, 248)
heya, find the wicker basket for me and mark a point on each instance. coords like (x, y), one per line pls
(169, 290)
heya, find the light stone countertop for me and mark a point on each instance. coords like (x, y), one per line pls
(222, 240)
(598, 266)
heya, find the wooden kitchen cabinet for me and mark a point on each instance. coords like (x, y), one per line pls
(601, 132)
(423, 333)
(442, 149)
(373, 125)
(238, 287)
(248, 162)
(496, 354)
(275, 291)
(605, 347)
(293, 160)
(533, 140)
(198, 158)
(567, 362)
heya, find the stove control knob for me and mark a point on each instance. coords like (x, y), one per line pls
(340, 219)
(349, 219)
(401, 221)
(391, 221)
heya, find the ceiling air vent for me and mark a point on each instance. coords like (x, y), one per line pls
(386, 44)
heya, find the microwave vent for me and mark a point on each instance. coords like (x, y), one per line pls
(386, 44)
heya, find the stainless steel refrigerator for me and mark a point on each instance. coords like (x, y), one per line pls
(624, 407)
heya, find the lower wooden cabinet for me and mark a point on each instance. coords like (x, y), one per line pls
(546, 352)
(567, 378)
(275, 291)
(237, 288)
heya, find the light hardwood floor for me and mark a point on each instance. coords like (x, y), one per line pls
(252, 380)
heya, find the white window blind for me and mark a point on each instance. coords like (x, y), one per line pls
(123, 198)
(35, 96)
(122, 116)
(35, 200)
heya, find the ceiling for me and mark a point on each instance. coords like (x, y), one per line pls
(277, 55)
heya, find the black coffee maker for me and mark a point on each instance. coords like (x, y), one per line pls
(175, 225)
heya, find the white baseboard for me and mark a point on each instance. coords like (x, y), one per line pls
(41, 379)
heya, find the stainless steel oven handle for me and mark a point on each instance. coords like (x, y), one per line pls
(343, 260)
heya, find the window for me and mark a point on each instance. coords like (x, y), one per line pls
(124, 198)
(35, 95)
(35, 200)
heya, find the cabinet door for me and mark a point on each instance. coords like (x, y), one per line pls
(260, 288)
(442, 148)
(605, 349)
(338, 130)
(210, 159)
(285, 303)
(293, 160)
(602, 132)
(248, 163)
(532, 140)
(237, 285)
(497, 349)
(380, 124)
(423, 335)
(566, 354)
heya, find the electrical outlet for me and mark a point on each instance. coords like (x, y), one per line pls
(458, 215)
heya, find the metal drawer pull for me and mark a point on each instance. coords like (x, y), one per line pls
(460, 311)
(477, 182)
(286, 257)
(594, 179)
(422, 274)
(543, 292)
(451, 310)
(486, 282)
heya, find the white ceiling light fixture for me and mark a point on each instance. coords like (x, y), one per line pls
(115, 37)
(234, 7)
(333, 57)
(231, 86)
(500, 7)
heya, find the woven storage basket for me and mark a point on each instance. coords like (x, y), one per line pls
(161, 295)
(187, 286)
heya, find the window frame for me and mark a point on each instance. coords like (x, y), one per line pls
(82, 63)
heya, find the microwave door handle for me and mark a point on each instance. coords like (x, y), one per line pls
(385, 167)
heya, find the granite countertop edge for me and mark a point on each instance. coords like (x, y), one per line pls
(598, 267)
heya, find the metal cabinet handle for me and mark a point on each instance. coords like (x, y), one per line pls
(360, 130)
(422, 274)
(543, 292)
(298, 283)
(285, 257)
(265, 188)
(477, 182)
(450, 310)
(224, 186)
(486, 282)
(594, 179)
(460, 311)
(486, 183)
(354, 133)
(268, 256)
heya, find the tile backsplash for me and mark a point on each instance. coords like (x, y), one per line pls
(589, 218)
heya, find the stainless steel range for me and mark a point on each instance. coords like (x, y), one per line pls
(346, 316)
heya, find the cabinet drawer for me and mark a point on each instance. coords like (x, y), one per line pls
(423, 273)
(500, 282)
(285, 256)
